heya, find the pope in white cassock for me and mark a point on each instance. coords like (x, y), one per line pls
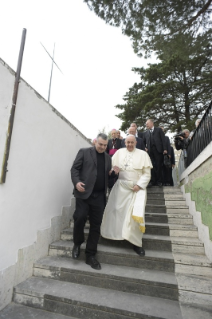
(124, 215)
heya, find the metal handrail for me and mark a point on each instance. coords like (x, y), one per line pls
(202, 136)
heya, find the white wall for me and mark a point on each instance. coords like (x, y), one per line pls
(38, 182)
(6, 88)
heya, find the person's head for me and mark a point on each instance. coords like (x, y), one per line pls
(132, 130)
(197, 122)
(130, 142)
(101, 142)
(134, 125)
(149, 124)
(94, 141)
(119, 135)
(186, 132)
(114, 133)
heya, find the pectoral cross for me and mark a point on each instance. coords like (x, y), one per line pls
(126, 165)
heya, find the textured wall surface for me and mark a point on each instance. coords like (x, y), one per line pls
(201, 192)
(197, 188)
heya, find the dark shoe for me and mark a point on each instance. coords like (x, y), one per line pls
(139, 250)
(75, 251)
(149, 185)
(91, 260)
(159, 184)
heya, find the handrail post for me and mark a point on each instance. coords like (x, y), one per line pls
(12, 113)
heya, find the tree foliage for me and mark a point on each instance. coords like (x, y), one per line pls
(175, 91)
(150, 22)
(178, 88)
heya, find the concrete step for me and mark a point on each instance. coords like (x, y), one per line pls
(18, 311)
(166, 202)
(151, 228)
(162, 243)
(155, 201)
(92, 302)
(163, 229)
(169, 218)
(171, 230)
(192, 264)
(175, 244)
(151, 242)
(162, 194)
(157, 260)
(163, 209)
(127, 279)
(195, 289)
(177, 203)
(164, 190)
(175, 217)
(155, 190)
(196, 311)
(172, 190)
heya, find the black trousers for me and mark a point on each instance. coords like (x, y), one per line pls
(167, 174)
(94, 206)
(157, 162)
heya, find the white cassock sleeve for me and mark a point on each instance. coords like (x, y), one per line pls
(145, 177)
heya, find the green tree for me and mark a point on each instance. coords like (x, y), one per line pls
(150, 22)
(175, 91)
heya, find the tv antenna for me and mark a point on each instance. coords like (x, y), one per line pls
(53, 62)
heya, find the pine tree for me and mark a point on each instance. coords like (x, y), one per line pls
(151, 22)
(175, 91)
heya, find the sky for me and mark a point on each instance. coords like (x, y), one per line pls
(96, 59)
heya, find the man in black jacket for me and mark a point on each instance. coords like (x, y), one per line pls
(89, 175)
(154, 140)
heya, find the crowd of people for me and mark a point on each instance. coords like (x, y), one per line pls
(127, 166)
(156, 144)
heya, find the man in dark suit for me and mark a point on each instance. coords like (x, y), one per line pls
(114, 143)
(89, 175)
(166, 170)
(137, 133)
(154, 140)
(140, 144)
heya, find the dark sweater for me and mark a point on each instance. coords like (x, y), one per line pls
(100, 179)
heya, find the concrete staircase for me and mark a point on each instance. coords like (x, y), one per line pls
(173, 280)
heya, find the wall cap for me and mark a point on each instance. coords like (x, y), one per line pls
(201, 158)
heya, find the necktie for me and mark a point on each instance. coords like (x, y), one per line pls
(151, 136)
